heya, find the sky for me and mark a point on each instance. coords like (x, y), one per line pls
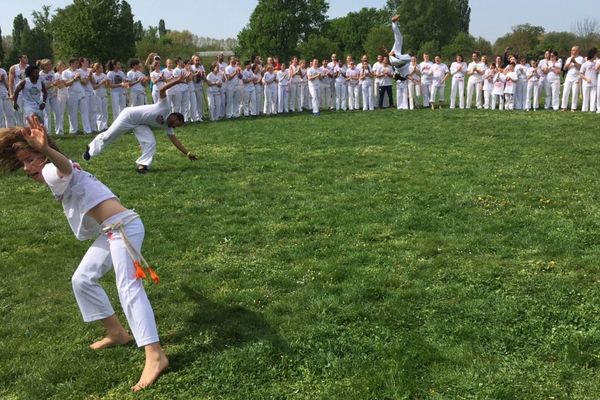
(490, 19)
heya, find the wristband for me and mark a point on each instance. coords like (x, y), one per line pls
(188, 153)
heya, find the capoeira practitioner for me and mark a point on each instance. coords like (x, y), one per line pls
(92, 209)
(34, 94)
(139, 120)
(398, 60)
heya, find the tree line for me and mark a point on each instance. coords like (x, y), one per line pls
(107, 30)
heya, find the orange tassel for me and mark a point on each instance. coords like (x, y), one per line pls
(139, 271)
(153, 275)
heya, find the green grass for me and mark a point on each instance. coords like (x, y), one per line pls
(383, 255)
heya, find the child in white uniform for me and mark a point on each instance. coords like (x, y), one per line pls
(589, 77)
(510, 86)
(425, 68)
(199, 75)
(352, 78)
(488, 86)
(76, 98)
(158, 80)
(366, 79)
(214, 82)
(117, 82)
(314, 77)
(139, 120)
(458, 70)
(533, 86)
(553, 77)
(270, 84)
(100, 84)
(249, 99)
(137, 84)
(475, 72)
(283, 89)
(498, 90)
(86, 79)
(91, 208)
(63, 96)
(341, 91)
(414, 82)
(47, 77)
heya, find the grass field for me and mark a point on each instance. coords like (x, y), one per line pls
(383, 255)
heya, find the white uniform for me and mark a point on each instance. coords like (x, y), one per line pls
(158, 81)
(259, 92)
(399, 61)
(79, 192)
(488, 87)
(402, 94)
(7, 114)
(366, 88)
(19, 76)
(32, 98)
(414, 85)
(139, 120)
(101, 96)
(118, 95)
(598, 87)
(533, 88)
(510, 87)
(438, 72)
(521, 86)
(341, 90)
(137, 91)
(475, 71)
(270, 93)
(52, 106)
(498, 91)
(176, 93)
(222, 67)
(553, 78)
(314, 88)
(589, 85)
(76, 102)
(458, 71)
(283, 91)
(425, 68)
(249, 98)
(325, 87)
(295, 101)
(63, 98)
(89, 97)
(352, 75)
(543, 83)
(571, 85)
(214, 96)
(199, 91)
(233, 94)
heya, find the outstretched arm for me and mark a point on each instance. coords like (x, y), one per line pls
(170, 84)
(37, 138)
(182, 148)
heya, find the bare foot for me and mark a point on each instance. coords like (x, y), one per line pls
(111, 341)
(395, 18)
(152, 370)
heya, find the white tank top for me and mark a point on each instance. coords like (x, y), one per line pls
(19, 74)
(32, 93)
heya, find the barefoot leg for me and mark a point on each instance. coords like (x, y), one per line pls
(156, 363)
(116, 335)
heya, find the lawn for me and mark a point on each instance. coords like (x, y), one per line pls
(446, 254)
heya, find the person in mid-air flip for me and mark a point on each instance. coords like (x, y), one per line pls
(399, 61)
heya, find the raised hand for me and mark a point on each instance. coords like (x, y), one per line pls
(35, 134)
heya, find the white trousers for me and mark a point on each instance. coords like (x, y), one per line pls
(53, 111)
(315, 94)
(192, 108)
(570, 88)
(425, 92)
(533, 91)
(353, 97)
(7, 113)
(509, 101)
(199, 92)
(214, 105)
(498, 99)
(402, 95)
(185, 105)
(118, 102)
(283, 98)
(487, 97)
(233, 102)
(437, 93)
(367, 96)
(155, 95)
(340, 96)
(414, 91)
(520, 94)
(93, 109)
(123, 125)
(474, 86)
(101, 113)
(326, 95)
(458, 89)
(270, 96)
(259, 93)
(295, 103)
(589, 98)
(79, 102)
(109, 251)
(249, 101)
(398, 60)
(137, 99)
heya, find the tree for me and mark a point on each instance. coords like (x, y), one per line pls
(349, 32)
(99, 30)
(317, 47)
(162, 30)
(138, 31)
(522, 41)
(1, 47)
(378, 38)
(20, 29)
(392, 6)
(559, 41)
(588, 32)
(464, 15)
(277, 27)
(431, 21)
(37, 43)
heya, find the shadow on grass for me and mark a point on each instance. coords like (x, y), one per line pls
(215, 327)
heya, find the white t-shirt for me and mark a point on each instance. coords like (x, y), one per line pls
(573, 72)
(116, 78)
(414, 73)
(3, 84)
(214, 78)
(458, 70)
(352, 75)
(177, 72)
(425, 72)
(76, 87)
(157, 81)
(152, 115)
(533, 74)
(47, 79)
(248, 75)
(438, 71)
(100, 78)
(235, 80)
(32, 93)
(509, 85)
(476, 70)
(311, 73)
(197, 80)
(133, 76)
(553, 76)
(78, 192)
(84, 74)
(283, 77)
(587, 70)
(499, 80)
(488, 80)
(521, 70)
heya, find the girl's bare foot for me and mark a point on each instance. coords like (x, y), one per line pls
(111, 340)
(156, 363)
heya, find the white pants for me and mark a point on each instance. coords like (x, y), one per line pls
(137, 99)
(438, 90)
(199, 93)
(79, 102)
(315, 94)
(107, 251)
(414, 91)
(458, 88)
(223, 102)
(367, 96)
(487, 96)
(474, 85)
(93, 107)
(398, 60)
(425, 92)
(7, 113)
(533, 90)
(402, 95)
(509, 101)
(259, 92)
(340, 96)
(249, 100)
(155, 95)
(233, 102)
(295, 103)
(270, 95)
(175, 99)
(283, 92)
(554, 94)
(118, 101)
(520, 94)
(571, 88)
(192, 108)
(185, 105)
(498, 99)
(353, 97)
(51, 112)
(589, 98)
(102, 113)
(214, 105)
(123, 125)
(326, 95)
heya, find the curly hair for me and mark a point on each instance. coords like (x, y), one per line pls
(12, 140)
